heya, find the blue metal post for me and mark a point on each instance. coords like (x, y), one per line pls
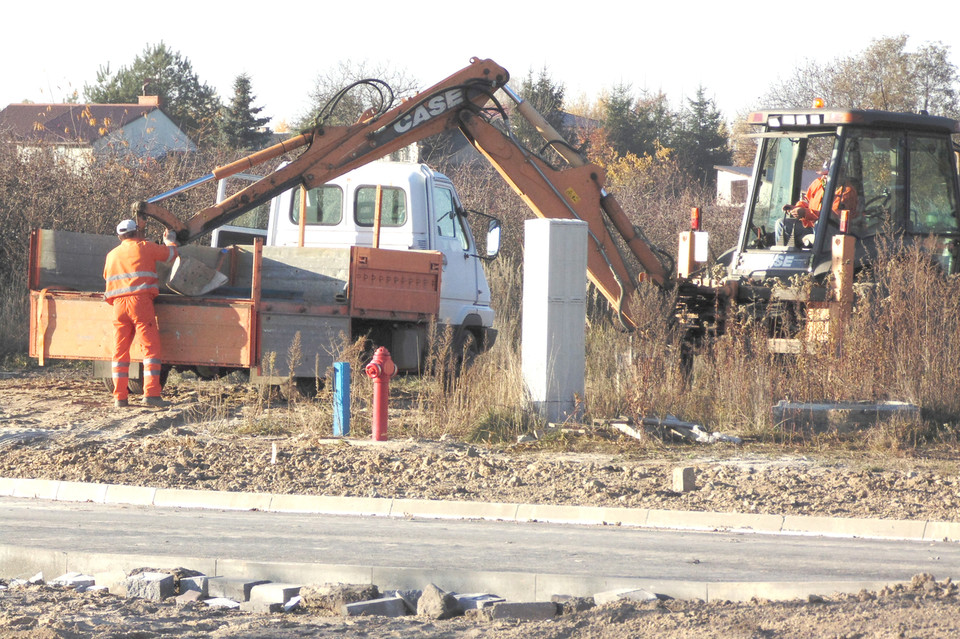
(341, 399)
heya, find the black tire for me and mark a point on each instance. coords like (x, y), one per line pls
(300, 388)
(135, 385)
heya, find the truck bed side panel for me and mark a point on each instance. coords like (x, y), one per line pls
(388, 284)
(80, 326)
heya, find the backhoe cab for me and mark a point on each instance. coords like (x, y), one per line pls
(885, 176)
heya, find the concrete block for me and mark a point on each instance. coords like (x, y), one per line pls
(476, 601)
(684, 479)
(410, 597)
(261, 607)
(621, 594)
(75, 580)
(195, 584)
(234, 588)
(522, 611)
(840, 417)
(385, 607)
(188, 596)
(150, 585)
(274, 593)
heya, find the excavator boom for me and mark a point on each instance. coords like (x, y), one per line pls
(462, 102)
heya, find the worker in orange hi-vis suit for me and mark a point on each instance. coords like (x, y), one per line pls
(132, 284)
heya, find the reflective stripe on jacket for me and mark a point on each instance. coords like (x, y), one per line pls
(131, 268)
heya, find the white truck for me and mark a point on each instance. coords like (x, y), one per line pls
(338, 275)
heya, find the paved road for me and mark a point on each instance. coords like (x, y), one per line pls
(445, 546)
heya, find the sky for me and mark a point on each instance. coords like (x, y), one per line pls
(735, 51)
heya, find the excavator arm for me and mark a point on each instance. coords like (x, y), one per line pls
(459, 102)
(334, 150)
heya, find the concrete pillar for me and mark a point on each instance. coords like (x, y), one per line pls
(553, 349)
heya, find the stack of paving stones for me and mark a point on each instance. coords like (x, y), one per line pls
(260, 596)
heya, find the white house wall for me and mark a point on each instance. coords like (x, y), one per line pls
(154, 135)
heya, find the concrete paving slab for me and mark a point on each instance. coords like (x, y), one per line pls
(224, 500)
(236, 588)
(362, 506)
(385, 606)
(851, 527)
(942, 531)
(79, 491)
(522, 610)
(130, 495)
(453, 509)
(583, 515)
(36, 488)
(714, 521)
(274, 592)
(7, 486)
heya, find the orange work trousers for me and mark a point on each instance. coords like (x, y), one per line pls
(133, 315)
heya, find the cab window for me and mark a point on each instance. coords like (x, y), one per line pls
(324, 206)
(449, 222)
(393, 206)
(933, 198)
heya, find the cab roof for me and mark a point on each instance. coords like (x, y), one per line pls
(799, 119)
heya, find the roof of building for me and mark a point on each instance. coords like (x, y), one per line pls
(68, 123)
(738, 170)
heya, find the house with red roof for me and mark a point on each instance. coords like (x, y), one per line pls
(84, 132)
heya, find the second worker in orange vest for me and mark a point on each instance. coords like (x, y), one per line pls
(132, 284)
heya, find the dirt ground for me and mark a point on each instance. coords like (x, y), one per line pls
(58, 424)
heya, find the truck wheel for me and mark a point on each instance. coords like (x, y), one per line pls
(300, 388)
(465, 350)
(135, 386)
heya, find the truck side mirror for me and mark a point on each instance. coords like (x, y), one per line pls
(493, 238)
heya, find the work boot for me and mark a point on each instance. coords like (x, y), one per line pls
(120, 403)
(155, 402)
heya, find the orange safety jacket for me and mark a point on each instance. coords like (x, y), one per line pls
(131, 268)
(845, 198)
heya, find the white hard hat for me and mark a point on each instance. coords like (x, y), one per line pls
(126, 226)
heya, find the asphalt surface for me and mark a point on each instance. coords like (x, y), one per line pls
(518, 559)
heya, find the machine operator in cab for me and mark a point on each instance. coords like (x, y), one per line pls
(800, 218)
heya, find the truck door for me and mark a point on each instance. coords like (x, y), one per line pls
(458, 284)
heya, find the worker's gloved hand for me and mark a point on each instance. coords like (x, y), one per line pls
(169, 237)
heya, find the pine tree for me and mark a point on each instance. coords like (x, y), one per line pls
(546, 96)
(193, 106)
(240, 129)
(701, 139)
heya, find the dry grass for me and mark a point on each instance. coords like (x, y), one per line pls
(902, 342)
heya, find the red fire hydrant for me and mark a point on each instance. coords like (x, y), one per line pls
(380, 369)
